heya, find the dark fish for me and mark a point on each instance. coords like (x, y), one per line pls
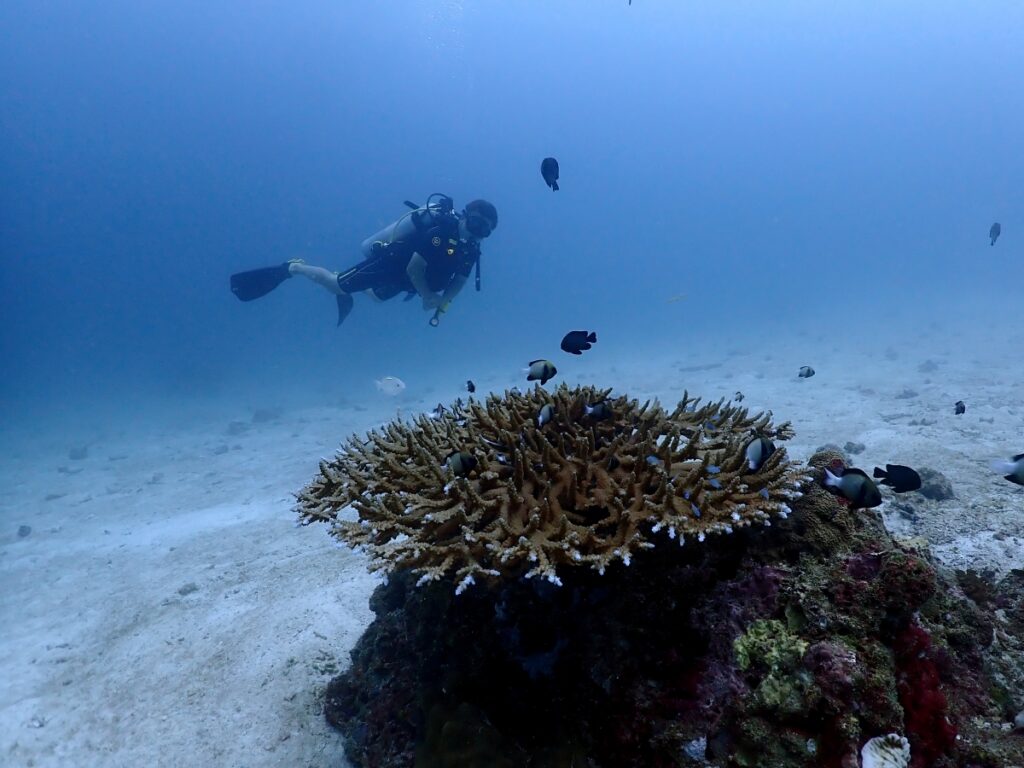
(1012, 470)
(549, 170)
(574, 342)
(541, 369)
(901, 479)
(855, 486)
(546, 414)
(993, 232)
(470, 386)
(959, 408)
(758, 451)
(738, 397)
(461, 462)
(805, 372)
(495, 444)
(598, 411)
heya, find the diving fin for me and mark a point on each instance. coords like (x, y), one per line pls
(345, 304)
(258, 282)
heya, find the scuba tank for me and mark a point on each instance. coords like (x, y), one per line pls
(416, 220)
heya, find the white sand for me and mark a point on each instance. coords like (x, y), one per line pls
(165, 610)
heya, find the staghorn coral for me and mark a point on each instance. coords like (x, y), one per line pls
(577, 490)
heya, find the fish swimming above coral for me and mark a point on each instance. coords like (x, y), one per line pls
(855, 486)
(959, 408)
(461, 462)
(758, 451)
(598, 411)
(390, 385)
(805, 372)
(1012, 470)
(549, 170)
(547, 412)
(542, 370)
(901, 479)
(575, 342)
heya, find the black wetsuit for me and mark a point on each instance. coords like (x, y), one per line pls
(385, 272)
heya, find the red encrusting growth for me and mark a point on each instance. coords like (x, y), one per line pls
(924, 704)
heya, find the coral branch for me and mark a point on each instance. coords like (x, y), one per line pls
(575, 490)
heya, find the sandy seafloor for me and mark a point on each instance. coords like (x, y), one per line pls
(165, 610)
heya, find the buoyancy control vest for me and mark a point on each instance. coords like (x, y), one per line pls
(439, 207)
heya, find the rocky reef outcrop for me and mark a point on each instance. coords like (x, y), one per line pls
(788, 643)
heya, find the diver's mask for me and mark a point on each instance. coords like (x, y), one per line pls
(478, 226)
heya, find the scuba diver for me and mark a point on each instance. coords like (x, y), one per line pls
(428, 252)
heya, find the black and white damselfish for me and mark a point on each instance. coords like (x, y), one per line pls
(1012, 470)
(855, 486)
(542, 370)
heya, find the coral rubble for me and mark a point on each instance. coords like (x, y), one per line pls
(786, 645)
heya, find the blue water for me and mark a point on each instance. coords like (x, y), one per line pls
(783, 165)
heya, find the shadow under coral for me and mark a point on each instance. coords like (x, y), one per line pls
(785, 646)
